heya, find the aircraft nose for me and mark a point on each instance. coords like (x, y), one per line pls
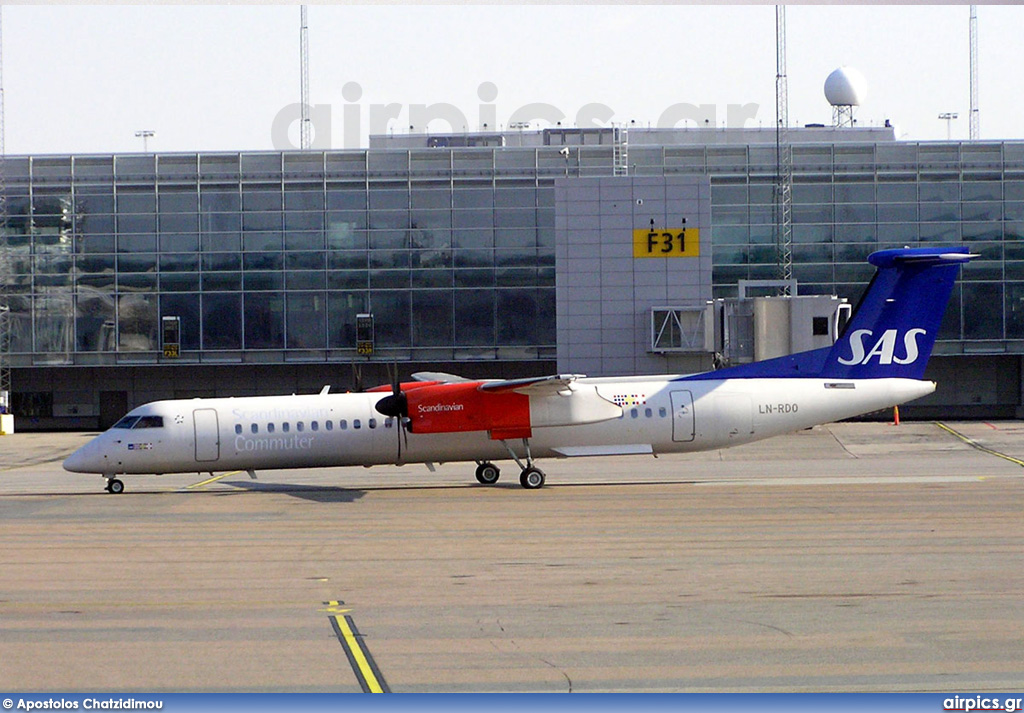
(86, 459)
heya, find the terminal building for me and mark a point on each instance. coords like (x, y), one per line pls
(135, 277)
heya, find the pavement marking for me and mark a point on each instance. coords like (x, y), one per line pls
(335, 607)
(363, 666)
(974, 444)
(214, 479)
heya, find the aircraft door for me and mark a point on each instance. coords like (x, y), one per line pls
(682, 416)
(207, 435)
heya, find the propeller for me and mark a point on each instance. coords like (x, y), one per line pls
(396, 405)
(357, 377)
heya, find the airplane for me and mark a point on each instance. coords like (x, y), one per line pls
(878, 362)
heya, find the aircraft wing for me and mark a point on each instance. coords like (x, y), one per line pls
(534, 386)
(440, 377)
(531, 386)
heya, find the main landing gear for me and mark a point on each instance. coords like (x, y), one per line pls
(530, 478)
(487, 473)
(114, 486)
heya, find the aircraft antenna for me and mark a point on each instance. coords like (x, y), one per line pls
(975, 127)
(5, 264)
(783, 158)
(305, 142)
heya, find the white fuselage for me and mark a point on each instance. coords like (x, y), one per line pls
(659, 415)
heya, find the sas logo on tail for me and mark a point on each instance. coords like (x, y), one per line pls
(884, 348)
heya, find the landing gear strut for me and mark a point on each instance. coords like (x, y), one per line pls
(531, 477)
(114, 486)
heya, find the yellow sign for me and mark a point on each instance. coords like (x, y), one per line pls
(364, 348)
(676, 242)
(171, 351)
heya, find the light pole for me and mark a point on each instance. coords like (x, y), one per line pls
(145, 134)
(948, 116)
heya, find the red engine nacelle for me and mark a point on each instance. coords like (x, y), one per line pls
(452, 408)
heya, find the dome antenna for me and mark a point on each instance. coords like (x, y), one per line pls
(845, 89)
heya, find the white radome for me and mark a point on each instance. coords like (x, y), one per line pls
(846, 86)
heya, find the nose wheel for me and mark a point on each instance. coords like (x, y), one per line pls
(114, 486)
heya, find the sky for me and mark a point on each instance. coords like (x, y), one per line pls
(85, 79)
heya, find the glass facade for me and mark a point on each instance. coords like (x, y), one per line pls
(268, 257)
(275, 254)
(849, 200)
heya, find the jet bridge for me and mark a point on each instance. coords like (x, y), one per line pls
(746, 329)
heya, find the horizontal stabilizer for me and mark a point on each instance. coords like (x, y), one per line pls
(919, 257)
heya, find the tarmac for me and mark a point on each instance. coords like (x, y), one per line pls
(848, 557)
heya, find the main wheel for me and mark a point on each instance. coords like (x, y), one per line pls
(115, 486)
(532, 478)
(487, 473)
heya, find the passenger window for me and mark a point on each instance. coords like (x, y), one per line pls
(663, 412)
(270, 428)
(648, 413)
(387, 422)
(286, 427)
(315, 426)
(373, 423)
(356, 423)
(300, 426)
(255, 428)
(633, 413)
(343, 425)
(238, 429)
(329, 425)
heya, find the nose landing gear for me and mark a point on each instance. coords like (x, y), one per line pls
(114, 486)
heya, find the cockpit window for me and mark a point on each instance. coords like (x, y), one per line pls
(150, 422)
(126, 422)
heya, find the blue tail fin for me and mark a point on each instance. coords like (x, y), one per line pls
(893, 329)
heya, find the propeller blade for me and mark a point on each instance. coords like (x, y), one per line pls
(394, 405)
